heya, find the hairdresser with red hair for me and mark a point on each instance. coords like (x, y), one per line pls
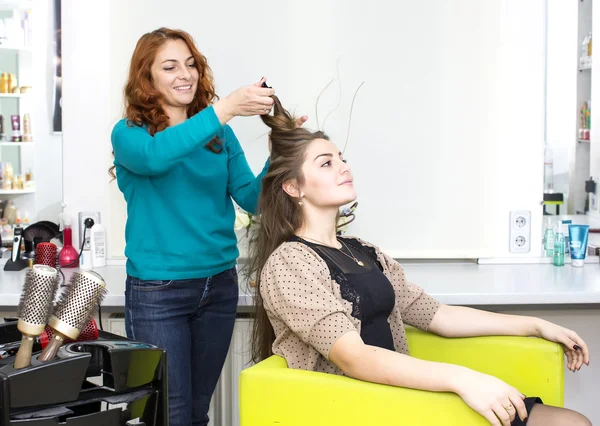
(179, 165)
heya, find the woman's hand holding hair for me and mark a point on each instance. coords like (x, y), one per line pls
(245, 101)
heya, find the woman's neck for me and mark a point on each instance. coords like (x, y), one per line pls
(319, 226)
(177, 115)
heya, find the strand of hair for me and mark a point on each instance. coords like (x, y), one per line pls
(350, 116)
(337, 67)
(317, 103)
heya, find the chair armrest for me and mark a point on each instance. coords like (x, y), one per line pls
(534, 366)
(271, 394)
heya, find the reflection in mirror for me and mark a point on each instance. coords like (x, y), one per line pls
(568, 187)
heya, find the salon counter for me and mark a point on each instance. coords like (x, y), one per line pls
(564, 295)
(451, 283)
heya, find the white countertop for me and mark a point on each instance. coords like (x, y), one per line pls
(450, 283)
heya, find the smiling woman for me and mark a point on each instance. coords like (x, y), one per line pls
(175, 78)
(175, 155)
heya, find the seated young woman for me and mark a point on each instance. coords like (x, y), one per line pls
(339, 305)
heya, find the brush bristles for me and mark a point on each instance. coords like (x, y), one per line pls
(37, 295)
(75, 306)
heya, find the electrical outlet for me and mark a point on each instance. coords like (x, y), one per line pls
(95, 216)
(520, 231)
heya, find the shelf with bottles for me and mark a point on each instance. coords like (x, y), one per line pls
(585, 58)
(15, 144)
(15, 48)
(15, 184)
(13, 95)
(15, 24)
(20, 132)
(10, 5)
(9, 87)
(17, 191)
(583, 134)
(16, 54)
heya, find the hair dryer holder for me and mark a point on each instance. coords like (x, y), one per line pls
(73, 387)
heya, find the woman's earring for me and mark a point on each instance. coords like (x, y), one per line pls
(300, 203)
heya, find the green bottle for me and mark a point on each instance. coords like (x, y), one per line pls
(548, 239)
(559, 247)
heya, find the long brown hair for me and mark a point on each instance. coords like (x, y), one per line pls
(280, 214)
(143, 101)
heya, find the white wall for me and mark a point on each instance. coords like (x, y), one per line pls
(87, 117)
(48, 148)
(508, 161)
(515, 182)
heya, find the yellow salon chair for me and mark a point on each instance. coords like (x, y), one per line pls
(273, 395)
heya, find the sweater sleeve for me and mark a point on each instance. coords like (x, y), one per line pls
(143, 154)
(416, 307)
(242, 185)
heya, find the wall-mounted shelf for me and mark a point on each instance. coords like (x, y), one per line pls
(16, 4)
(15, 143)
(16, 191)
(13, 95)
(585, 69)
(15, 48)
(583, 141)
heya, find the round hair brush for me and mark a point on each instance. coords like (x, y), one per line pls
(45, 254)
(74, 309)
(34, 308)
(88, 332)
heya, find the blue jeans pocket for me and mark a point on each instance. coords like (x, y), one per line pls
(150, 285)
(233, 274)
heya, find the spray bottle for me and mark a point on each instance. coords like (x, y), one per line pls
(68, 257)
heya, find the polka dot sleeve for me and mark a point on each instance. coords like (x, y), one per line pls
(296, 288)
(417, 308)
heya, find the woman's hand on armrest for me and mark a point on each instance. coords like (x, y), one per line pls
(485, 394)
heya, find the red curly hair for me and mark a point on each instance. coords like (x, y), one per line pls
(143, 101)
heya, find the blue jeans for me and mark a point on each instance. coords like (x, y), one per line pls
(193, 321)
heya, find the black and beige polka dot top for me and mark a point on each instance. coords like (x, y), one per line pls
(310, 303)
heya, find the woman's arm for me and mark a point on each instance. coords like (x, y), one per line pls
(459, 321)
(485, 394)
(377, 365)
(149, 155)
(242, 185)
(138, 151)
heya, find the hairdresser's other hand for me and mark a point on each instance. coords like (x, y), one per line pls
(245, 101)
(301, 120)
(495, 400)
(575, 348)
